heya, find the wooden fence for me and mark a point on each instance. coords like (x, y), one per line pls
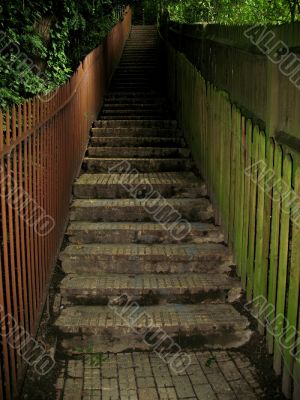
(42, 146)
(227, 57)
(254, 182)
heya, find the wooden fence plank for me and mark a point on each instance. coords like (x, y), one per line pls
(274, 243)
(247, 179)
(268, 191)
(260, 169)
(252, 213)
(283, 261)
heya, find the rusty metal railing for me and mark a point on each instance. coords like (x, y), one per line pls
(42, 143)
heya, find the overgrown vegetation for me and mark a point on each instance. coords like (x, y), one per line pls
(42, 43)
(228, 11)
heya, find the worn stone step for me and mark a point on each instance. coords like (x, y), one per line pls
(139, 103)
(146, 49)
(148, 289)
(138, 73)
(136, 88)
(129, 79)
(138, 152)
(132, 95)
(137, 141)
(134, 112)
(131, 47)
(153, 116)
(80, 232)
(139, 64)
(138, 69)
(118, 102)
(95, 165)
(142, 258)
(124, 185)
(130, 84)
(132, 210)
(139, 51)
(136, 132)
(134, 109)
(117, 328)
(127, 123)
(133, 52)
(139, 61)
(130, 55)
(121, 84)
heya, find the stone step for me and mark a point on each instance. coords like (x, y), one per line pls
(138, 152)
(141, 88)
(141, 164)
(118, 102)
(135, 185)
(135, 78)
(138, 69)
(150, 96)
(132, 54)
(146, 49)
(142, 258)
(139, 102)
(132, 210)
(129, 79)
(117, 328)
(134, 112)
(132, 67)
(139, 60)
(153, 116)
(139, 63)
(148, 289)
(137, 142)
(140, 133)
(127, 123)
(142, 74)
(149, 44)
(141, 233)
(131, 84)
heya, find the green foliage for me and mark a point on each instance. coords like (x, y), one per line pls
(229, 11)
(42, 43)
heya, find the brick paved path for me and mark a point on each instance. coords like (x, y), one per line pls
(144, 376)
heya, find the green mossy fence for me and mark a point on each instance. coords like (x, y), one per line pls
(253, 177)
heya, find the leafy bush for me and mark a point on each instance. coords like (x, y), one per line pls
(229, 11)
(42, 43)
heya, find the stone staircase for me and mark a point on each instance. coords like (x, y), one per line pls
(142, 229)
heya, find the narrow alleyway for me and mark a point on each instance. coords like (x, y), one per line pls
(146, 269)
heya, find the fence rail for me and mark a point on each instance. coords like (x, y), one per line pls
(42, 145)
(254, 181)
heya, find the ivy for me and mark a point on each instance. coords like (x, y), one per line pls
(42, 43)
